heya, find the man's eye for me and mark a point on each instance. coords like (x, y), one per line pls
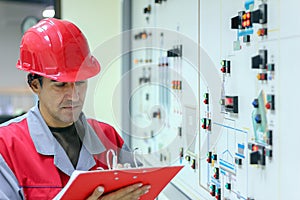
(79, 82)
(60, 84)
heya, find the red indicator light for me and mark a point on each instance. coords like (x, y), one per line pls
(244, 23)
(255, 148)
(144, 35)
(268, 106)
(248, 22)
(228, 101)
(248, 16)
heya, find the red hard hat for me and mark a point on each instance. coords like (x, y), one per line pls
(58, 50)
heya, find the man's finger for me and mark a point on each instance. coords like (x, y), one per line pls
(96, 194)
(124, 191)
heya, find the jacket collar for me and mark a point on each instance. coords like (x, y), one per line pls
(46, 144)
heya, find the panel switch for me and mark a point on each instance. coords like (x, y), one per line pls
(231, 104)
(260, 61)
(260, 15)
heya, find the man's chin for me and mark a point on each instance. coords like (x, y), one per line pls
(72, 117)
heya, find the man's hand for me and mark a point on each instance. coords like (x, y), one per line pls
(127, 193)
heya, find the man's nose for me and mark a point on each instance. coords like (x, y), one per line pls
(73, 91)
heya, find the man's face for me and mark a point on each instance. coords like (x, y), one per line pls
(61, 103)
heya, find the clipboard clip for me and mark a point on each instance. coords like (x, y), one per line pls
(114, 163)
(114, 159)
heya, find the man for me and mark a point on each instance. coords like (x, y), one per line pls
(40, 150)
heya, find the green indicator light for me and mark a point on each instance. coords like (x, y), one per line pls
(222, 101)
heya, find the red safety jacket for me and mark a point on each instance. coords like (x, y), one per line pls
(36, 173)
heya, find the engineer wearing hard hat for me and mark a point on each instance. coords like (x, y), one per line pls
(40, 149)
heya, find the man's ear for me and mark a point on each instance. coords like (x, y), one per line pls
(35, 86)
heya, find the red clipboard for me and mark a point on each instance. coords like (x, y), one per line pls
(84, 183)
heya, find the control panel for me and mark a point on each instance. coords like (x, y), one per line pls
(213, 84)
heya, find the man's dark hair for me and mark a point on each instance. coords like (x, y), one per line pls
(31, 77)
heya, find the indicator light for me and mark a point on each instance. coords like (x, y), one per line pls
(225, 66)
(188, 158)
(228, 101)
(244, 24)
(144, 35)
(216, 173)
(270, 102)
(212, 190)
(218, 196)
(262, 76)
(193, 165)
(181, 152)
(136, 61)
(244, 17)
(258, 155)
(255, 148)
(262, 32)
(248, 22)
(206, 124)
(209, 156)
(228, 186)
(248, 15)
(222, 102)
(231, 104)
(206, 101)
